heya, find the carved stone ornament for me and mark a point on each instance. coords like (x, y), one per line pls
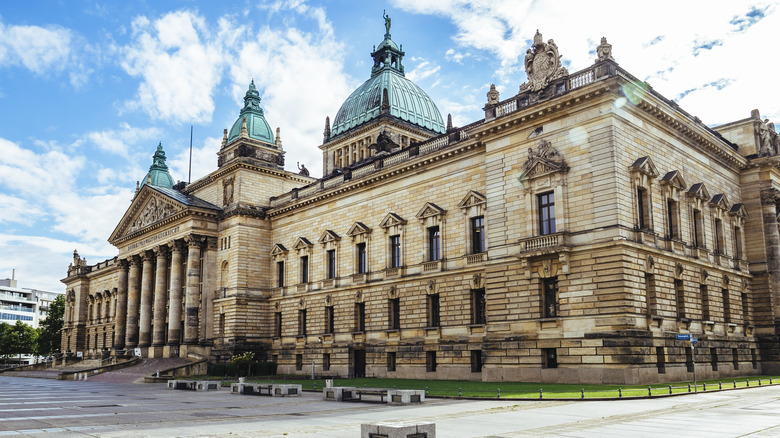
(492, 95)
(545, 158)
(154, 211)
(227, 190)
(604, 51)
(766, 138)
(769, 196)
(542, 64)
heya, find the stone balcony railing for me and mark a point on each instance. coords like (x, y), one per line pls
(543, 242)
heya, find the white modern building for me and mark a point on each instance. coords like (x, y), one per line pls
(30, 306)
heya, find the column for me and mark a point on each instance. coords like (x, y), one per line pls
(160, 296)
(145, 309)
(174, 310)
(191, 303)
(133, 302)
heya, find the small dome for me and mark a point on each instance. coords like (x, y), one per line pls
(256, 125)
(158, 172)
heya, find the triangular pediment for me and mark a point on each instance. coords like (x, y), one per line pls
(646, 166)
(700, 191)
(675, 179)
(430, 209)
(301, 243)
(147, 209)
(739, 210)
(720, 201)
(357, 229)
(392, 219)
(329, 236)
(471, 199)
(543, 160)
(278, 249)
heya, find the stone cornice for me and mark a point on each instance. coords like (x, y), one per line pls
(372, 125)
(241, 163)
(190, 211)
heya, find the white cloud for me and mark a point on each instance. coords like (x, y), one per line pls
(16, 210)
(423, 70)
(119, 141)
(38, 49)
(204, 160)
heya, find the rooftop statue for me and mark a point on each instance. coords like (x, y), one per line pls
(542, 64)
(387, 22)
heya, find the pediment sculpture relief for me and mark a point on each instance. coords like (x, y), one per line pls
(154, 211)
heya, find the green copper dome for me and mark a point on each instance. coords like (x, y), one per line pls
(256, 126)
(405, 100)
(158, 172)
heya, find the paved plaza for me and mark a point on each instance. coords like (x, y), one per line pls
(39, 407)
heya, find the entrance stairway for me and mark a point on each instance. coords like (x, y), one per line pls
(132, 374)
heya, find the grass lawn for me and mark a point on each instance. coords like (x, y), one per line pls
(464, 388)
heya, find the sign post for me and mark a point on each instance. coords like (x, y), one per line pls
(693, 356)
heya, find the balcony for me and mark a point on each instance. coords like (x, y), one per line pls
(435, 265)
(546, 243)
(475, 259)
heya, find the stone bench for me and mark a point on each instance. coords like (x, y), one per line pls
(338, 393)
(194, 385)
(274, 390)
(398, 429)
(405, 396)
(393, 396)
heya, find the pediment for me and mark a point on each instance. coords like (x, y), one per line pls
(543, 160)
(645, 166)
(329, 236)
(430, 209)
(471, 199)
(148, 208)
(278, 249)
(698, 190)
(358, 228)
(392, 219)
(675, 179)
(720, 201)
(301, 243)
(739, 210)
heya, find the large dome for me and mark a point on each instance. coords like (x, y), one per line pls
(256, 125)
(406, 100)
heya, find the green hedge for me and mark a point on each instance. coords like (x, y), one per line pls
(230, 369)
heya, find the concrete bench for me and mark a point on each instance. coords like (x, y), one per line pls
(194, 385)
(273, 390)
(398, 429)
(405, 396)
(338, 393)
(286, 390)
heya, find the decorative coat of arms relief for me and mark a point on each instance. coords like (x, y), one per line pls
(542, 64)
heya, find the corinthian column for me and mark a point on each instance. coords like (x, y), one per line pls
(174, 310)
(160, 296)
(120, 312)
(145, 314)
(191, 303)
(133, 302)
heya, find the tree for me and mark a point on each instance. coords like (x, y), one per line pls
(5, 339)
(51, 328)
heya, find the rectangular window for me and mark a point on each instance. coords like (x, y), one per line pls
(738, 243)
(360, 317)
(395, 251)
(745, 308)
(546, 213)
(430, 361)
(549, 358)
(434, 244)
(478, 306)
(698, 229)
(329, 324)
(660, 360)
(280, 274)
(550, 286)
(726, 304)
(720, 244)
(298, 362)
(302, 322)
(433, 311)
(477, 235)
(714, 358)
(305, 269)
(735, 358)
(391, 361)
(394, 313)
(652, 299)
(673, 219)
(643, 208)
(362, 260)
(326, 362)
(331, 263)
(476, 361)
(679, 294)
(705, 302)
(278, 324)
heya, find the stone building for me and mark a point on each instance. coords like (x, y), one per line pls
(567, 236)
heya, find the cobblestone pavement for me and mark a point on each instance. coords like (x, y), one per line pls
(48, 408)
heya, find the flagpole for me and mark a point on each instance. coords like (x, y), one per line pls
(189, 176)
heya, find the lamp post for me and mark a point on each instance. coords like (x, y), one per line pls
(20, 349)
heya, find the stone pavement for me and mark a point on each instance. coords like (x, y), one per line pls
(46, 408)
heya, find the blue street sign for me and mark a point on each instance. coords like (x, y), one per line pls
(683, 337)
(694, 340)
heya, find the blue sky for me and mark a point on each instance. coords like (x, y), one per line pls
(88, 88)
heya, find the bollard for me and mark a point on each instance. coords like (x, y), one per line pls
(426, 391)
(75, 376)
(689, 387)
(460, 393)
(620, 393)
(704, 386)
(670, 389)
(759, 381)
(582, 392)
(649, 392)
(720, 386)
(540, 392)
(158, 373)
(735, 384)
(315, 386)
(498, 393)
(747, 382)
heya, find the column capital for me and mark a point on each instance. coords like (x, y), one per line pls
(123, 264)
(769, 196)
(161, 251)
(148, 256)
(193, 240)
(176, 246)
(135, 260)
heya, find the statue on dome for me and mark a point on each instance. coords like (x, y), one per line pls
(387, 22)
(302, 170)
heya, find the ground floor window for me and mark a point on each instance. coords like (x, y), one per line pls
(549, 358)
(430, 361)
(476, 361)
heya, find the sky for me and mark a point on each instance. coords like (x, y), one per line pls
(89, 88)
